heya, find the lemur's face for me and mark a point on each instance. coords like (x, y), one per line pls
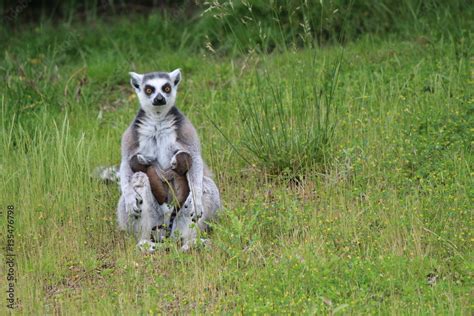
(156, 90)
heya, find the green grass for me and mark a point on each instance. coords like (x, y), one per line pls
(359, 231)
(289, 118)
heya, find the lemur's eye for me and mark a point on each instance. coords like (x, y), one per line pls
(149, 90)
(167, 88)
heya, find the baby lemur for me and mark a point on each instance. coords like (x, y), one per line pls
(170, 185)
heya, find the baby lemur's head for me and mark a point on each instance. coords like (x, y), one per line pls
(156, 90)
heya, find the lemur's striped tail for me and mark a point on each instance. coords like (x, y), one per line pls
(108, 174)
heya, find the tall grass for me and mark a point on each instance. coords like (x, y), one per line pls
(266, 26)
(289, 119)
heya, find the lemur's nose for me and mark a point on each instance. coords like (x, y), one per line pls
(159, 100)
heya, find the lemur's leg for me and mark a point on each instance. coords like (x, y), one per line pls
(184, 228)
(211, 203)
(195, 179)
(131, 200)
(126, 221)
(183, 225)
(151, 215)
(122, 215)
(160, 232)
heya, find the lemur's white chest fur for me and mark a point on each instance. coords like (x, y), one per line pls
(157, 138)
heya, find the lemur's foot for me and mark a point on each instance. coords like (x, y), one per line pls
(195, 242)
(206, 242)
(146, 246)
(159, 233)
(186, 247)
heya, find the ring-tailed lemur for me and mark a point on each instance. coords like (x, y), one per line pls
(157, 133)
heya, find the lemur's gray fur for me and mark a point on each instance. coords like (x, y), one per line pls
(157, 133)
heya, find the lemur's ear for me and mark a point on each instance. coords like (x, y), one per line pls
(135, 80)
(175, 76)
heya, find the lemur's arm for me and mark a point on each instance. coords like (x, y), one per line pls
(189, 141)
(195, 179)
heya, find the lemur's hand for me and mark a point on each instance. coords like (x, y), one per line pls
(134, 200)
(192, 209)
(144, 160)
(174, 162)
(198, 210)
(133, 203)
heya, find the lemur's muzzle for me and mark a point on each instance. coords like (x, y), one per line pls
(159, 100)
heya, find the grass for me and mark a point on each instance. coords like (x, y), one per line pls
(289, 119)
(365, 229)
